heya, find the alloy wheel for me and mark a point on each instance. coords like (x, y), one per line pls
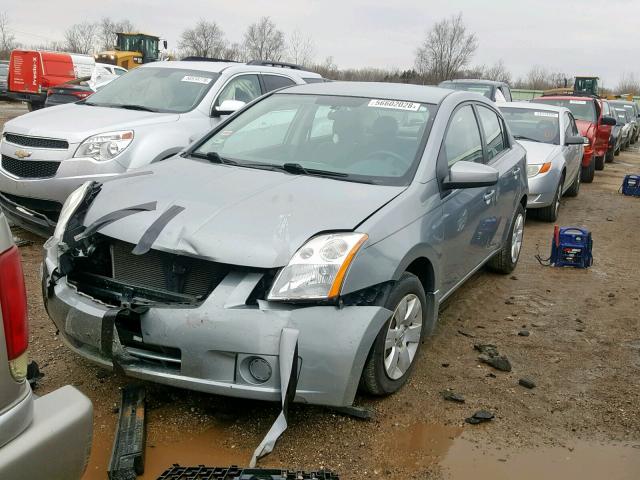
(403, 336)
(516, 237)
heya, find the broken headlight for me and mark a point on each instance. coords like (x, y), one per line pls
(105, 146)
(69, 208)
(318, 268)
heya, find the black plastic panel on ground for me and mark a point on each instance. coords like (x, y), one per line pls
(176, 472)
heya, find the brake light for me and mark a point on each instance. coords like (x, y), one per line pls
(81, 94)
(13, 304)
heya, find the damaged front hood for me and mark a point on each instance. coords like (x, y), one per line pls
(236, 215)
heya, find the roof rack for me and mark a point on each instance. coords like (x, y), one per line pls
(269, 63)
(206, 59)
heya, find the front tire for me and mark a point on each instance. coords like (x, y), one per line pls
(609, 156)
(600, 163)
(550, 213)
(587, 173)
(506, 259)
(392, 356)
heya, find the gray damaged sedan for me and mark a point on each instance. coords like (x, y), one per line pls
(346, 212)
(554, 153)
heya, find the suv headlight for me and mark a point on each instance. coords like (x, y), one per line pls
(105, 146)
(318, 268)
(70, 206)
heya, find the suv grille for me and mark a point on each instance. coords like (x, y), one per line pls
(36, 142)
(29, 168)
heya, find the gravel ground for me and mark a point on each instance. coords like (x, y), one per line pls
(582, 351)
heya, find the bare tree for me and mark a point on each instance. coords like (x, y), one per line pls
(497, 72)
(628, 84)
(446, 50)
(81, 37)
(7, 39)
(235, 51)
(301, 48)
(206, 39)
(108, 29)
(536, 78)
(263, 41)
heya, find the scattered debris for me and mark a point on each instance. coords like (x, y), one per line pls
(466, 334)
(490, 375)
(452, 396)
(609, 219)
(491, 356)
(527, 383)
(611, 294)
(445, 365)
(513, 277)
(479, 417)
(102, 373)
(508, 302)
(21, 242)
(33, 374)
(523, 333)
(176, 472)
(127, 457)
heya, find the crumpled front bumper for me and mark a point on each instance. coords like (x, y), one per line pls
(218, 339)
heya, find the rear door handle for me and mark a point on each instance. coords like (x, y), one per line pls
(516, 171)
(488, 196)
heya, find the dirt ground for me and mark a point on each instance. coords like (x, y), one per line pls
(582, 420)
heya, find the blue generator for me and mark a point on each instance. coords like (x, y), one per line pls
(571, 247)
(631, 185)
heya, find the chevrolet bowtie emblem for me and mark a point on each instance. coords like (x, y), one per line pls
(23, 154)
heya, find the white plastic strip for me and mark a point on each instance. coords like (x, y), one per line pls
(288, 361)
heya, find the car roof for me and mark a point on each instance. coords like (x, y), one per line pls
(565, 97)
(534, 106)
(387, 91)
(219, 66)
(477, 81)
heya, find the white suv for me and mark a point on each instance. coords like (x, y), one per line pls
(145, 116)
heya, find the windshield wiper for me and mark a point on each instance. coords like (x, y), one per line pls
(298, 169)
(214, 157)
(522, 137)
(135, 107)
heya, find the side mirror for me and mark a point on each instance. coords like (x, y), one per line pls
(575, 140)
(470, 175)
(227, 107)
(164, 42)
(607, 120)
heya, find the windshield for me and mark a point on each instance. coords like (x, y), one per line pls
(170, 90)
(346, 138)
(534, 125)
(469, 87)
(621, 114)
(581, 109)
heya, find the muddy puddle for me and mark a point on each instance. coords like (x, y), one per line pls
(446, 450)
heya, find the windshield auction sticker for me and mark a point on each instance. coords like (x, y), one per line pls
(192, 79)
(546, 114)
(395, 104)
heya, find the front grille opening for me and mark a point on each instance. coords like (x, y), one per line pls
(36, 142)
(111, 273)
(29, 168)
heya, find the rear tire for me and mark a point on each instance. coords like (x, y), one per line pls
(574, 189)
(506, 259)
(587, 173)
(381, 374)
(609, 156)
(550, 213)
(599, 163)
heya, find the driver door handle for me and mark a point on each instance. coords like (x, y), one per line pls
(516, 171)
(488, 196)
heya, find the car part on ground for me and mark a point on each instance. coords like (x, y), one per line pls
(127, 456)
(176, 472)
(51, 433)
(181, 101)
(182, 307)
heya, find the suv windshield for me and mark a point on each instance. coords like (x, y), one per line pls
(469, 87)
(581, 109)
(173, 90)
(534, 125)
(621, 114)
(347, 138)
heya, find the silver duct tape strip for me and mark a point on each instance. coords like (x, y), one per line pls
(288, 363)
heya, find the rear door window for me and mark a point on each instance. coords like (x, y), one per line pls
(243, 88)
(493, 132)
(273, 82)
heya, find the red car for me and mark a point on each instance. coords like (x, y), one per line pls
(592, 124)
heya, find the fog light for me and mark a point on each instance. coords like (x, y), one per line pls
(260, 369)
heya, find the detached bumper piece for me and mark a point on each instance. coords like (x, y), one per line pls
(127, 457)
(176, 472)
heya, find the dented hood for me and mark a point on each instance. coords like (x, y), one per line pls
(236, 215)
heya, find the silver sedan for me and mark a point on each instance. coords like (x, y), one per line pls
(554, 151)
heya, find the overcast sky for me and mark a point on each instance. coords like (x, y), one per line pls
(575, 37)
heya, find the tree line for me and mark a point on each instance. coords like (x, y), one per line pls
(446, 51)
